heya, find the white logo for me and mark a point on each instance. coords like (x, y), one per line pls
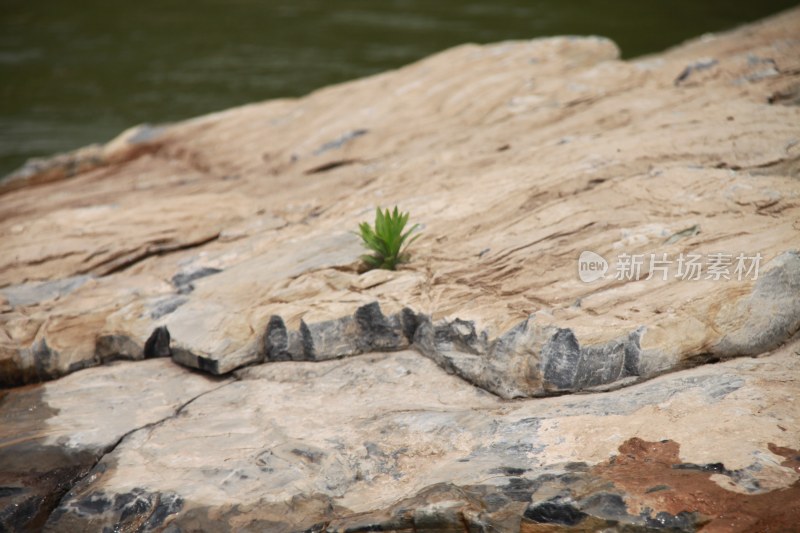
(717, 266)
(591, 267)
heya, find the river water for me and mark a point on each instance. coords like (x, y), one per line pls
(73, 73)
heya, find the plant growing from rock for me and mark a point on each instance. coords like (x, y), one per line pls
(387, 240)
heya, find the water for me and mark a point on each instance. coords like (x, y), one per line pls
(70, 75)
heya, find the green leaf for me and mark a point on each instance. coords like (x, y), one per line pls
(372, 261)
(386, 239)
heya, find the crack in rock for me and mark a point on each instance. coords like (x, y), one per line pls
(162, 506)
(531, 359)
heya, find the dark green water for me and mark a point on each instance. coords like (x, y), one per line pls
(73, 73)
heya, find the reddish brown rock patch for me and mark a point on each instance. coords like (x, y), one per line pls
(653, 476)
(792, 456)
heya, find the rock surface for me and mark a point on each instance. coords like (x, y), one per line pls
(392, 442)
(53, 436)
(516, 157)
(222, 244)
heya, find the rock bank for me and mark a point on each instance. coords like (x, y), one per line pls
(391, 442)
(309, 395)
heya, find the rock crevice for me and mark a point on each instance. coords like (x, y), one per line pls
(533, 358)
(148, 517)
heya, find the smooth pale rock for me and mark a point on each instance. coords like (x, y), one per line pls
(516, 157)
(53, 435)
(28, 294)
(224, 242)
(209, 330)
(391, 441)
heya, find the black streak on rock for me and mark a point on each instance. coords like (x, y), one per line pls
(461, 336)
(276, 340)
(157, 345)
(341, 141)
(115, 347)
(410, 322)
(42, 355)
(330, 166)
(716, 468)
(694, 67)
(568, 366)
(554, 512)
(377, 332)
(368, 330)
(560, 356)
(605, 505)
(683, 521)
(307, 341)
(633, 351)
(137, 510)
(184, 279)
(167, 306)
(34, 478)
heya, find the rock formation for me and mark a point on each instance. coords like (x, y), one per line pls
(213, 358)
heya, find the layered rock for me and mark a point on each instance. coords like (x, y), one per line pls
(516, 157)
(392, 442)
(52, 437)
(334, 399)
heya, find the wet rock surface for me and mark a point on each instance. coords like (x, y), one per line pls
(214, 358)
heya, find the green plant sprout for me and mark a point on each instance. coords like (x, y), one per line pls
(387, 240)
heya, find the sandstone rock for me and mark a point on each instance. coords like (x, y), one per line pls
(569, 149)
(53, 435)
(223, 244)
(27, 294)
(392, 442)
